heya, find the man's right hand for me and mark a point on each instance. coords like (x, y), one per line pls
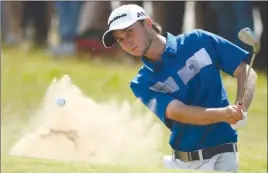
(231, 114)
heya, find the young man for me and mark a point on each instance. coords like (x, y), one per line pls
(180, 82)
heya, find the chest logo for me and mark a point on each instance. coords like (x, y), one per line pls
(194, 65)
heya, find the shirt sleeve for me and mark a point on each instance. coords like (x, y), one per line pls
(228, 55)
(155, 101)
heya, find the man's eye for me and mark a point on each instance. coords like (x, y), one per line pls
(129, 31)
(119, 40)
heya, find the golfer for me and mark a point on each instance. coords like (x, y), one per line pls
(180, 82)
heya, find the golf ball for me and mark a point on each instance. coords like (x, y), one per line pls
(61, 102)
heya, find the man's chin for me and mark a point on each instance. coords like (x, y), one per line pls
(136, 55)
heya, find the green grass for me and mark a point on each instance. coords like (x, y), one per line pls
(25, 77)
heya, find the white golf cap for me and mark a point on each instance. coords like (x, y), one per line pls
(121, 18)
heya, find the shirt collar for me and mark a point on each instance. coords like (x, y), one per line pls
(170, 49)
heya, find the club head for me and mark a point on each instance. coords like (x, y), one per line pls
(247, 36)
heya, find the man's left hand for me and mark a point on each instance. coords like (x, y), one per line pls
(242, 122)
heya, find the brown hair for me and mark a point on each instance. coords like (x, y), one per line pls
(156, 27)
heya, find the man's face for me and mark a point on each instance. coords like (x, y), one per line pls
(135, 39)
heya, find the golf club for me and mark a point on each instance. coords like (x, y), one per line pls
(247, 36)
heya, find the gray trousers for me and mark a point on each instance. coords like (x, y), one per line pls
(226, 162)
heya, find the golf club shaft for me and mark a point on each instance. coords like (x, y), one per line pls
(240, 101)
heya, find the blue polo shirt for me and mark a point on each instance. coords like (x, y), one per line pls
(189, 71)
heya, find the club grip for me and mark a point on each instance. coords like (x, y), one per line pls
(240, 104)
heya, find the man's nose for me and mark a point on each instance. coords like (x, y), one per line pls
(130, 44)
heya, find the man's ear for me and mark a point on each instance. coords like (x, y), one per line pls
(149, 22)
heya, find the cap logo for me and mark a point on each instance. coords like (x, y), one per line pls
(139, 14)
(117, 17)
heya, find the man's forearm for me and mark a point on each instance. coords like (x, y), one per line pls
(250, 88)
(193, 114)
